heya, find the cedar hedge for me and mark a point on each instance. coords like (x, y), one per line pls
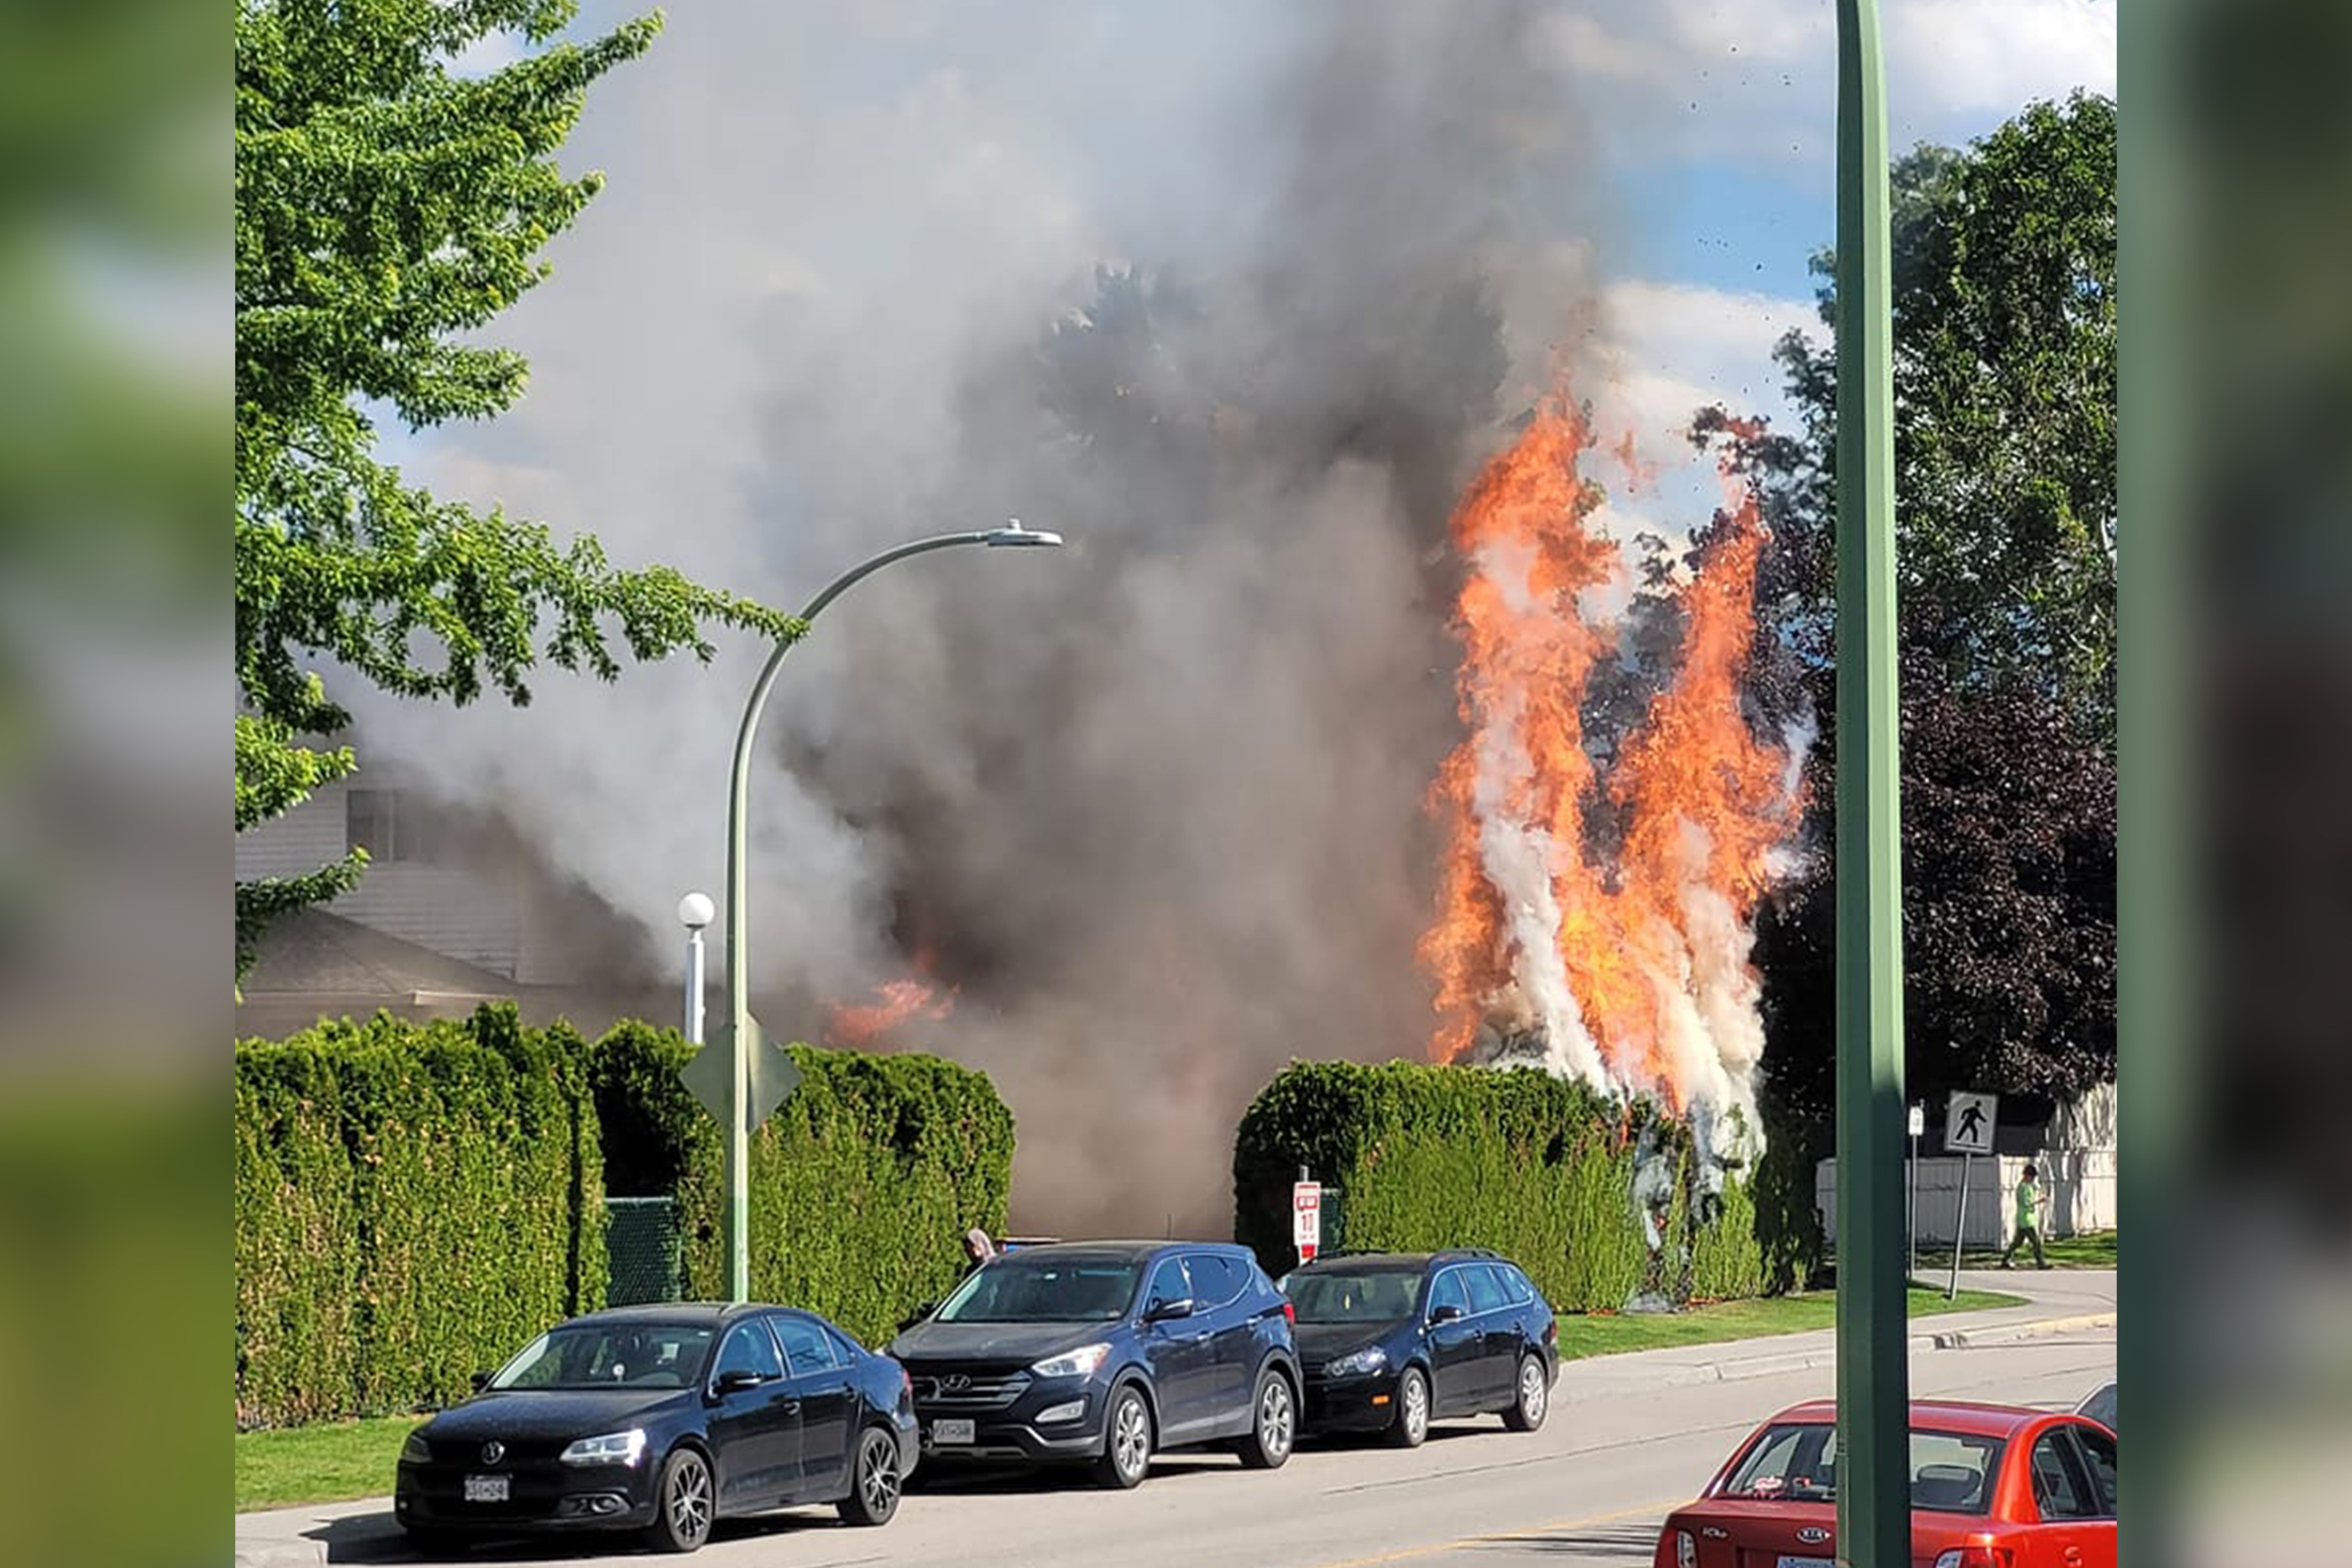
(861, 1184)
(414, 1202)
(1539, 1168)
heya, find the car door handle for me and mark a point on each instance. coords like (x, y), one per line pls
(2073, 1555)
(789, 1406)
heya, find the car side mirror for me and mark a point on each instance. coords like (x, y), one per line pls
(480, 1379)
(1162, 1311)
(1445, 1314)
(735, 1382)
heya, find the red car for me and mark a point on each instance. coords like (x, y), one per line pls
(1992, 1485)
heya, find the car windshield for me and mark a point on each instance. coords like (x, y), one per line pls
(1354, 1295)
(609, 1355)
(1797, 1462)
(1060, 1291)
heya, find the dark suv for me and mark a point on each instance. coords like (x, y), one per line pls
(1103, 1353)
(1393, 1340)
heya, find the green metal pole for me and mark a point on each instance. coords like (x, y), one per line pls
(739, 965)
(1873, 1494)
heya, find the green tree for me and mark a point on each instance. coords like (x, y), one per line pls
(2004, 294)
(388, 207)
(2005, 502)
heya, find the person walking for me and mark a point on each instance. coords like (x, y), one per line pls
(2029, 1219)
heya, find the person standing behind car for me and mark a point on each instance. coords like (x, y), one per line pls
(978, 1250)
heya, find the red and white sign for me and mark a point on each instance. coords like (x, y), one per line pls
(1307, 1218)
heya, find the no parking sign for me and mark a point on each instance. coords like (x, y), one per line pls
(1307, 1218)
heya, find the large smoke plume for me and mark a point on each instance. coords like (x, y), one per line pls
(1155, 804)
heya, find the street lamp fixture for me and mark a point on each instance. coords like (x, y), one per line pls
(741, 1031)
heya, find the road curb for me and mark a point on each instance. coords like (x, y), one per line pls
(1738, 1369)
(2009, 1334)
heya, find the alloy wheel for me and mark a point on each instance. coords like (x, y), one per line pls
(878, 1475)
(1532, 1393)
(1416, 1409)
(690, 1499)
(1132, 1439)
(1276, 1419)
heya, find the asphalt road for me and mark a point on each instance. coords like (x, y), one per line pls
(1588, 1491)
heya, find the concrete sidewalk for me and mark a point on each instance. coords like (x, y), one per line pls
(2057, 1301)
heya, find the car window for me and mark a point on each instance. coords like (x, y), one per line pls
(1797, 1462)
(846, 1350)
(2059, 1489)
(1448, 1292)
(1486, 1290)
(807, 1348)
(2099, 1451)
(1019, 1289)
(598, 1355)
(1168, 1284)
(1353, 1295)
(1516, 1285)
(750, 1348)
(1215, 1280)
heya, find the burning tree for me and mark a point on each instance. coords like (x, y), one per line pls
(1625, 962)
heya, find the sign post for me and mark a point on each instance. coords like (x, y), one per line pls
(1306, 1219)
(1911, 1246)
(1968, 1124)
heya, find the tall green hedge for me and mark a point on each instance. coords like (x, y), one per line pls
(861, 1184)
(1537, 1167)
(414, 1202)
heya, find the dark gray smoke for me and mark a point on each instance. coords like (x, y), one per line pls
(1235, 298)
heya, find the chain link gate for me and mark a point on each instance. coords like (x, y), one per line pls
(641, 1241)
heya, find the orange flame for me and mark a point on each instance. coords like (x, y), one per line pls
(1635, 973)
(896, 1003)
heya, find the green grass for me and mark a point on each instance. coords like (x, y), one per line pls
(2092, 1249)
(1589, 1334)
(329, 1462)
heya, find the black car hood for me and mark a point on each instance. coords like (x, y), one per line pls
(545, 1415)
(937, 1341)
(1319, 1342)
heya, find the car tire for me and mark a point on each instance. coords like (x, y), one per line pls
(1127, 1439)
(686, 1501)
(875, 1482)
(1274, 1423)
(1530, 1396)
(1411, 1427)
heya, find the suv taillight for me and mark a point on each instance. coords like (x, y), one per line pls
(1289, 1310)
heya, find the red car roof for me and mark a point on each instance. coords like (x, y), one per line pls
(1943, 1414)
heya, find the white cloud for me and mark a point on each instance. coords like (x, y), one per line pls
(1672, 348)
(1757, 81)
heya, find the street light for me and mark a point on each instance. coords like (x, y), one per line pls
(738, 967)
(694, 912)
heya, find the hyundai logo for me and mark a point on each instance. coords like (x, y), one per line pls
(493, 1451)
(1812, 1535)
(954, 1383)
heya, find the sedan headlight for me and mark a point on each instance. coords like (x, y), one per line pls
(416, 1450)
(1371, 1359)
(613, 1448)
(1080, 1363)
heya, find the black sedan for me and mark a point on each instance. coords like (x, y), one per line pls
(664, 1419)
(1391, 1341)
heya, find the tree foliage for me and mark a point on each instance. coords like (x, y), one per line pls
(388, 207)
(2005, 500)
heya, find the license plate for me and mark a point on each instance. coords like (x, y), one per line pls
(952, 1431)
(487, 1488)
(1807, 1563)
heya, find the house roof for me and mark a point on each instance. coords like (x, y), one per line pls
(311, 954)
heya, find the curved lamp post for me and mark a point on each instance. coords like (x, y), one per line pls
(739, 1034)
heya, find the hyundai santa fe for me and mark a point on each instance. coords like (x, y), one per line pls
(1103, 1354)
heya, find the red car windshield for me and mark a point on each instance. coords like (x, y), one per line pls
(1951, 1472)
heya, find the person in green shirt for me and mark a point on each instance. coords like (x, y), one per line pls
(2029, 1220)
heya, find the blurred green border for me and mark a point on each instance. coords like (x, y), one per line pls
(2155, 635)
